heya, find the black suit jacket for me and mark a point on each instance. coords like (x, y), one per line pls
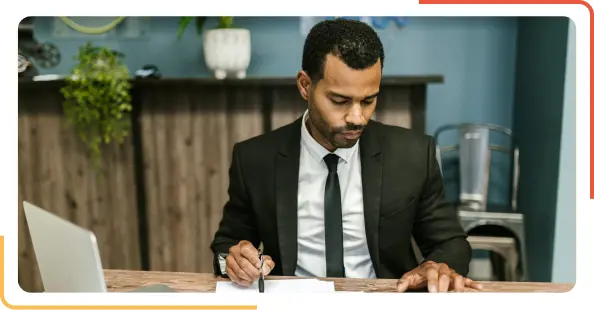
(402, 191)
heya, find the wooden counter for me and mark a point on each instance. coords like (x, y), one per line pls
(124, 280)
(159, 197)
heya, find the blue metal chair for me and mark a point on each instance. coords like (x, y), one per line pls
(486, 230)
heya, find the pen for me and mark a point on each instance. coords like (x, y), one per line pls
(261, 279)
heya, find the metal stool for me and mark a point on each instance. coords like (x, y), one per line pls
(512, 222)
(506, 247)
(474, 166)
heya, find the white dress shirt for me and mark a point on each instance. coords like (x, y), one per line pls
(311, 259)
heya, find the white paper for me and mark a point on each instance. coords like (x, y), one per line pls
(279, 286)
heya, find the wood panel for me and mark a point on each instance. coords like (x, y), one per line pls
(287, 106)
(55, 174)
(186, 148)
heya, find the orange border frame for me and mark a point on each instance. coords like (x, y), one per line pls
(580, 2)
(222, 307)
(97, 307)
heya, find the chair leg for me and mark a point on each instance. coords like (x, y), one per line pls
(513, 264)
(498, 265)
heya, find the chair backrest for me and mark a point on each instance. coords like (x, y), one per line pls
(473, 142)
(474, 151)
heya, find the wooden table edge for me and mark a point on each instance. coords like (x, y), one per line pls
(127, 280)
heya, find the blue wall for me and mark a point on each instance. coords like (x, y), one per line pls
(475, 55)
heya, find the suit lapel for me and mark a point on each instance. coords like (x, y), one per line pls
(287, 178)
(371, 173)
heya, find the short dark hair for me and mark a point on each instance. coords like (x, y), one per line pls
(354, 42)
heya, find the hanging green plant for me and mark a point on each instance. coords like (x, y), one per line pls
(97, 98)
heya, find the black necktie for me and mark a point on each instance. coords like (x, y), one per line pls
(333, 220)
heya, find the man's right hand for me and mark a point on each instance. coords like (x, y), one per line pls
(243, 263)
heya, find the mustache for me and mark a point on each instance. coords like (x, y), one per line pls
(351, 127)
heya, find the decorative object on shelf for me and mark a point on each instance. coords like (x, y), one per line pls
(97, 98)
(227, 49)
(92, 30)
(148, 72)
(24, 64)
(46, 55)
(97, 28)
(33, 53)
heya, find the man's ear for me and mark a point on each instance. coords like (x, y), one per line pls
(304, 84)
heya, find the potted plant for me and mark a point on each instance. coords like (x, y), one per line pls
(97, 98)
(227, 49)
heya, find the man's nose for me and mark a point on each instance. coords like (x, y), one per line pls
(355, 115)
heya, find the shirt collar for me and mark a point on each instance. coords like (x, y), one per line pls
(317, 150)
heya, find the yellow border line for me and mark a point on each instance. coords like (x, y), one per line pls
(154, 307)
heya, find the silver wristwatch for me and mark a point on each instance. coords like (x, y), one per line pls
(221, 260)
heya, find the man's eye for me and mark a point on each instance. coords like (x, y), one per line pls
(339, 101)
(368, 102)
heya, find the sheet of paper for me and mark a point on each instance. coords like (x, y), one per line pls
(279, 286)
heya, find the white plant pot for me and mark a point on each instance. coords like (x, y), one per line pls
(227, 52)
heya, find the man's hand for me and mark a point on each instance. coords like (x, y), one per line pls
(436, 277)
(243, 264)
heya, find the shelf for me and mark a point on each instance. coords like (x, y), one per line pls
(269, 81)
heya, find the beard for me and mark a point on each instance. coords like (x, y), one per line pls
(334, 135)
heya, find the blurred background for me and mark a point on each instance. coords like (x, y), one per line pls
(126, 127)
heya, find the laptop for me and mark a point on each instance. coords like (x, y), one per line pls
(68, 255)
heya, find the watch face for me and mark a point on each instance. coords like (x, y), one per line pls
(222, 263)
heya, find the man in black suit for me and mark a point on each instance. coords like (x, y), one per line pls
(336, 194)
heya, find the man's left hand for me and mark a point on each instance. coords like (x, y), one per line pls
(437, 277)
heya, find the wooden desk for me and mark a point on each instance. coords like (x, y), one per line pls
(124, 280)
